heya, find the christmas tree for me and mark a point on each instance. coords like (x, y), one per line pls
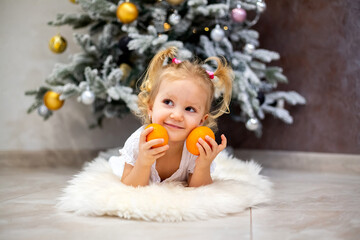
(123, 36)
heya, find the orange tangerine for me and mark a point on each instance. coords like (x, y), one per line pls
(192, 139)
(158, 132)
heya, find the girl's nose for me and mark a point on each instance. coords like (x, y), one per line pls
(176, 115)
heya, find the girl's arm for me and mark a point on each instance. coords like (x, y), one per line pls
(136, 175)
(139, 174)
(200, 177)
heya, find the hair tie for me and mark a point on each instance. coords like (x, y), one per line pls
(211, 74)
(177, 61)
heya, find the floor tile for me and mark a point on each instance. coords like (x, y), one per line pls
(17, 182)
(302, 224)
(312, 191)
(309, 206)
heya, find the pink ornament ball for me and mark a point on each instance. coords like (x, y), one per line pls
(238, 15)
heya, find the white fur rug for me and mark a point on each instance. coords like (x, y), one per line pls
(96, 191)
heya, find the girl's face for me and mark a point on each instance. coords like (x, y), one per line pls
(179, 106)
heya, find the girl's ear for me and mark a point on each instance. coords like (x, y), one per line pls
(203, 119)
(149, 110)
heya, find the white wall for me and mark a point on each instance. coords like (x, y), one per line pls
(25, 62)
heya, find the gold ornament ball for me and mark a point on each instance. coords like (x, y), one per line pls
(167, 26)
(175, 2)
(74, 1)
(57, 44)
(126, 69)
(52, 100)
(127, 12)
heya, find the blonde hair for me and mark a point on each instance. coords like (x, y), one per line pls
(157, 71)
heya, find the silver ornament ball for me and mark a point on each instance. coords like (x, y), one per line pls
(43, 110)
(252, 124)
(174, 18)
(87, 97)
(260, 6)
(249, 48)
(217, 34)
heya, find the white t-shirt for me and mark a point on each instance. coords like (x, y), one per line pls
(130, 152)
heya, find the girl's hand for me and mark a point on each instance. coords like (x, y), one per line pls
(148, 154)
(209, 152)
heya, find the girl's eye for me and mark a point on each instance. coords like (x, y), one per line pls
(190, 109)
(168, 102)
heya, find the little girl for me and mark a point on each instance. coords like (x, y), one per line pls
(180, 97)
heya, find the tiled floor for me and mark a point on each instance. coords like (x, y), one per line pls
(305, 206)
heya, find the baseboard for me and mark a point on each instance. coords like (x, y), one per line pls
(46, 158)
(306, 161)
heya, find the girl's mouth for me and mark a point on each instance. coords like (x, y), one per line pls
(173, 126)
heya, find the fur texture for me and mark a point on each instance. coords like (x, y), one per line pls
(96, 191)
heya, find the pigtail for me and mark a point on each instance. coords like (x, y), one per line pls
(224, 78)
(154, 67)
(150, 82)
